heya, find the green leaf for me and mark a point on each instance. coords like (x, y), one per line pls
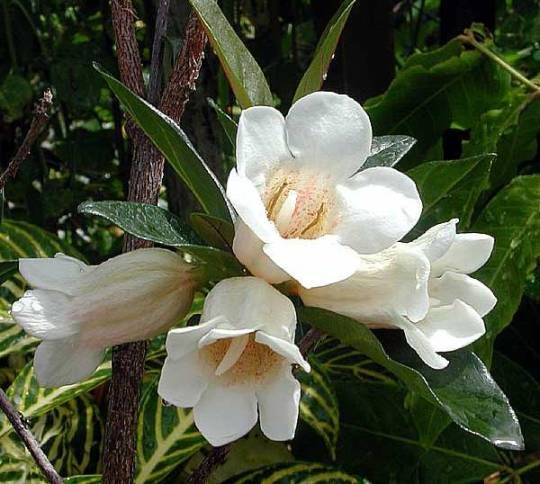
(513, 219)
(7, 269)
(319, 406)
(13, 338)
(315, 74)
(15, 95)
(244, 74)
(436, 89)
(379, 439)
(388, 150)
(142, 220)
(166, 437)
(464, 390)
(451, 189)
(295, 472)
(215, 264)
(227, 123)
(88, 479)
(175, 146)
(31, 400)
(215, 231)
(20, 472)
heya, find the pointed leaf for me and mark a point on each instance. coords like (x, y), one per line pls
(315, 74)
(215, 231)
(388, 150)
(244, 74)
(227, 123)
(464, 390)
(142, 220)
(175, 146)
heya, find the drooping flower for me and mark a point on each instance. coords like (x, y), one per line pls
(421, 287)
(303, 205)
(235, 367)
(79, 310)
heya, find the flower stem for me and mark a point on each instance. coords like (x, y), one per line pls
(469, 38)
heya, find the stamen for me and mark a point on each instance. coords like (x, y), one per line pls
(286, 211)
(315, 221)
(235, 350)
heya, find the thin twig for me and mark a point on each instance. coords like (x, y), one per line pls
(29, 441)
(154, 84)
(39, 121)
(217, 455)
(144, 184)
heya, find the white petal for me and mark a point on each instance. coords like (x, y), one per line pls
(467, 254)
(260, 142)
(420, 343)
(217, 334)
(181, 341)
(449, 328)
(313, 262)
(248, 303)
(60, 273)
(330, 132)
(183, 380)
(288, 350)
(248, 203)
(384, 284)
(248, 249)
(236, 348)
(226, 413)
(377, 207)
(451, 286)
(436, 241)
(279, 400)
(64, 361)
(45, 314)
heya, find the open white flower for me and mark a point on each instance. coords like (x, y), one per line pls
(303, 206)
(422, 288)
(236, 366)
(79, 310)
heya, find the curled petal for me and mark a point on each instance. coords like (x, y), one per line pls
(436, 241)
(288, 350)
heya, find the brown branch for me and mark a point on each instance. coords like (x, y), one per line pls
(154, 87)
(144, 184)
(39, 121)
(29, 441)
(217, 455)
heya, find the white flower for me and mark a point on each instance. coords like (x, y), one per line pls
(303, 206)
(79, 310)
(422, 288)
(236, 365)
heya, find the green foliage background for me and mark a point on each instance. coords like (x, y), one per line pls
(369, 412)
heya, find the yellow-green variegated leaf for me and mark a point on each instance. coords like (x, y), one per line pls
(341, 361)
(166, 437)
(318, 405)
(88, 479)
(296, 473)
(14, 471)
(18, 240)
(32, 400)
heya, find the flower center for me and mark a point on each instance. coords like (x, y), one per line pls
(241, 359)
(299, 203)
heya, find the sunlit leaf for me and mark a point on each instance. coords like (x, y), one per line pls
(388, 150)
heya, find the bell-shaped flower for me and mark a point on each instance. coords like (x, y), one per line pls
(79, 310)
(302, 202)
(235, 366)
(422, 288)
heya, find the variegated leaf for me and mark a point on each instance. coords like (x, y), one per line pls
(166, 437)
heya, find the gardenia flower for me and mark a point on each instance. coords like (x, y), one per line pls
(79, 310)
(422, 288)
(236, 366)
(303, 205)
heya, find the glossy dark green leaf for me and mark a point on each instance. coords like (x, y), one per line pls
(215, 231)
(227, 123)
(296, 472)
(175, 146)
(513, 219)
(464, 390)
(244, 74)
(434, 90)
(142, 220)
(388, 150)
(315, 74)
(318, 405)
(450, 189)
